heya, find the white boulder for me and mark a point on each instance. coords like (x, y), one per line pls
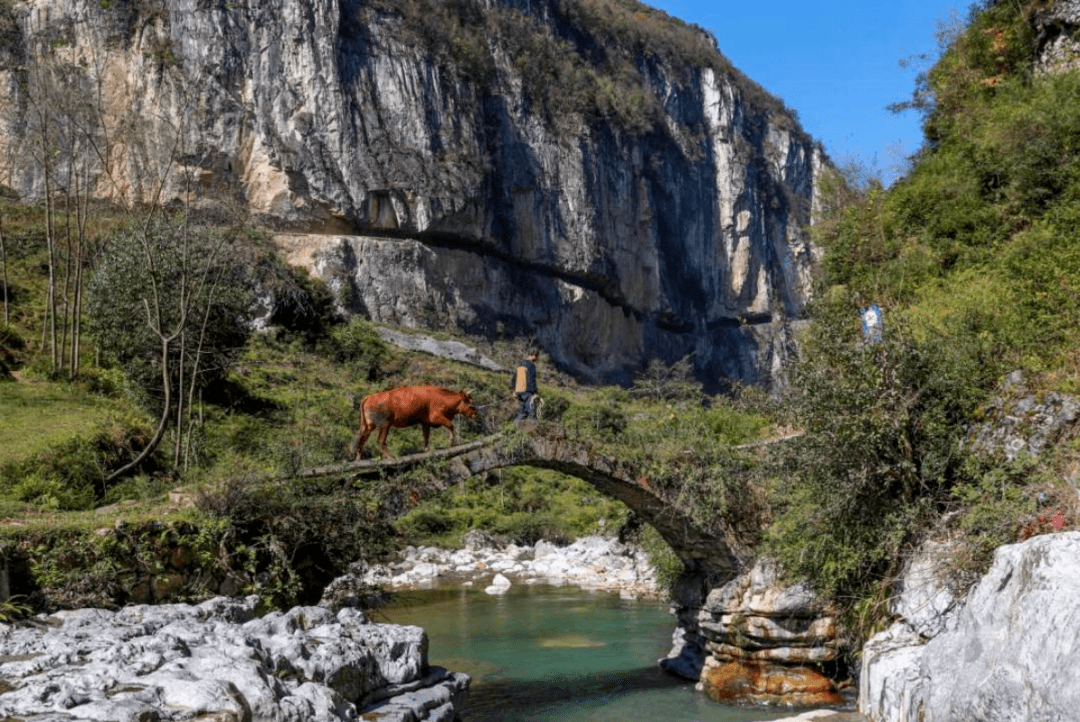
(1010, 655)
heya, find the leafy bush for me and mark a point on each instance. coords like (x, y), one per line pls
(977, 240)
(299, 535)
(669, 567)
(71, 475)
(302, 305)
(881, 452)
(171, 286)
(522, 505)
(603, 417)
(12, 347)
(103, 381)
(73, 568)
(357, 344)
(52, 494)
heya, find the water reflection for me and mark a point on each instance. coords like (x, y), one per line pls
(563, 697)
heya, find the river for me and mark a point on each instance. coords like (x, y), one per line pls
(543, 653)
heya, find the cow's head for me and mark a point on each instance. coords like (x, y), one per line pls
(465, 406)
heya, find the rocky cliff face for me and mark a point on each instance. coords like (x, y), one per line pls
(560, 169)
(1057, 48)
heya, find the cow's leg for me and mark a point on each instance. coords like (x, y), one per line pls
(359, 441)
(362, 434)
(427, 435)
(453, 437)
(384, 431)
(445, 421)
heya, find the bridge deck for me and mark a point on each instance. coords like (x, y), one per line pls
(365, 465)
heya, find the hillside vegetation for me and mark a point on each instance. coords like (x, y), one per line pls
(975, 259)
(174, 394)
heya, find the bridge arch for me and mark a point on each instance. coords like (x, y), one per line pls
(701, 550)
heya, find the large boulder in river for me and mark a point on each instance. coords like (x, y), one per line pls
(1009, 655)
(767, 641)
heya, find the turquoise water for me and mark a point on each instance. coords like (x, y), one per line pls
(543, 653)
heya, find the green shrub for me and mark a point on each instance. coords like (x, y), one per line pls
(603, 417)
(1043, 264)
(71, 475)
(357, 344)
(104, 381)
(522, 505)
(978, 240)
(51, 494)
(881, 452)
(171, 279)
(99, 568)
(299, 535)
(12, 348)
(303, 306)
(669, 567)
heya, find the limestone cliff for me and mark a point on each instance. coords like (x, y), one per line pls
(591, 173)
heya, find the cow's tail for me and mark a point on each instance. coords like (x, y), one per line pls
(354, 445)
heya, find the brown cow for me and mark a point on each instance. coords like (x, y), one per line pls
(407, 406)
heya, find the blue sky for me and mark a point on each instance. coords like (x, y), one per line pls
(836, 62)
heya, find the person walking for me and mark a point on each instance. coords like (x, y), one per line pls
(523, 385)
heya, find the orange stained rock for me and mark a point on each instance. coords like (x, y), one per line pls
(735, 682)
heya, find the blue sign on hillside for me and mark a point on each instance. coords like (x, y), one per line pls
(873, 324)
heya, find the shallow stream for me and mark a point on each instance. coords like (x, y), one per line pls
(542, 653)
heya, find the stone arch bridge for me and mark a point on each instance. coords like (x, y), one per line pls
(703, 550)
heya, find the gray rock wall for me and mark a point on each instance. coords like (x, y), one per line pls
(1056, 27)
(438, 201)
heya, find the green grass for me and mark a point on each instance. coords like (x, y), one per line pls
(38, 415)
(18, 520)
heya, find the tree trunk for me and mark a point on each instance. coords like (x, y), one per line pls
(50, 300)
(163, 422)
(4, 268)
(179, 431)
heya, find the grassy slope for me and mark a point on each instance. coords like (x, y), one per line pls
(978, 242)
(36, 415)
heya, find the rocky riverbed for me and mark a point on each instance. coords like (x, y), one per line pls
(218, 662)
(593, 562)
